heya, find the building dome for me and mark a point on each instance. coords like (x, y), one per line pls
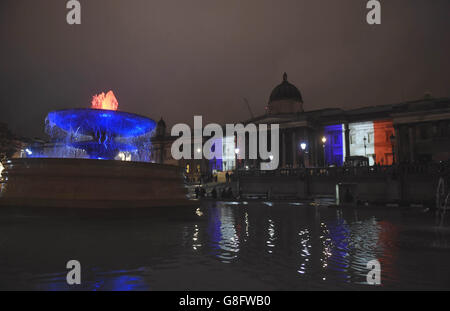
(285, 98)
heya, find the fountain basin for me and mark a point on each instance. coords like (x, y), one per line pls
(90, 121)
(87, 183)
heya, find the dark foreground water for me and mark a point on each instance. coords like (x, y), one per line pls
(230, 246)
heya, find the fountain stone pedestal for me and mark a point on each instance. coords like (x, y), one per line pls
(87, 183)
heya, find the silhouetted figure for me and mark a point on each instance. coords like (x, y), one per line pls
(227, 177)
(202, 192)
(214, 193)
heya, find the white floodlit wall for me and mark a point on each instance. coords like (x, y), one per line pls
(359, 131)
(228, 155)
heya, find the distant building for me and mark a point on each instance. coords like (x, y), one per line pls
(404, 132)
(414, 131)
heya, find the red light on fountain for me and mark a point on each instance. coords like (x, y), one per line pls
(107, 102)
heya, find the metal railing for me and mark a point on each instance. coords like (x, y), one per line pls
(386, 171)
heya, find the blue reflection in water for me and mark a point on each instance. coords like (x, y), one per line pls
(123, 283)
(214, 223)
(103, 281)
(223, 237)
(339, 233)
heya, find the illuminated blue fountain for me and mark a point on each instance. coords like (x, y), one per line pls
(76, 169)
(101, 134)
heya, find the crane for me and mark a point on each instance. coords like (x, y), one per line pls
(248, 106)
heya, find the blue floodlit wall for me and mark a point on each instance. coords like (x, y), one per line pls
(334, 146)
(216, 163)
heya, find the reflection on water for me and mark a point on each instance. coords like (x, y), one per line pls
(224, 246)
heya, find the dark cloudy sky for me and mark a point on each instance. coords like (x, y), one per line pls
(177, 58)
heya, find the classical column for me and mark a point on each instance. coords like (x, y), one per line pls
(397, 135)
(294, 149)
(315, 139)
(347, 139)
(411, 143)
(283, 148)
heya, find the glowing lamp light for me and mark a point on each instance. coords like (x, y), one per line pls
(236, 150)
(271, 157)
(324, 139)
(199, 150)
(303, 146)
(28, 151)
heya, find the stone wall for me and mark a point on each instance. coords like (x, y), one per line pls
(373, 184)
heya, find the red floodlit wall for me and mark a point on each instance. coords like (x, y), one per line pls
(382, 143)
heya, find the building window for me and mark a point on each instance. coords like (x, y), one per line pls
(187, 168)
(198, 168)
(352, 139)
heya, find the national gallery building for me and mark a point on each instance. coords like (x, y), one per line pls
(408, 132)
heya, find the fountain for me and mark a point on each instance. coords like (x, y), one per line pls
(83, 166)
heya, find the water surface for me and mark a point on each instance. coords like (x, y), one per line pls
(224, 246)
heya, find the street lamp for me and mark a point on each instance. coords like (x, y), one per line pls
(365, 147)
(324, 140)
(270, 158)
(303, 147)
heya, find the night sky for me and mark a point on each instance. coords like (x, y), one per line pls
(179, 58)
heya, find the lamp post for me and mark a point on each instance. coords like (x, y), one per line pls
(324, 140)
(303, 147)
(365, 147)
(236, 152)
(392, 139)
